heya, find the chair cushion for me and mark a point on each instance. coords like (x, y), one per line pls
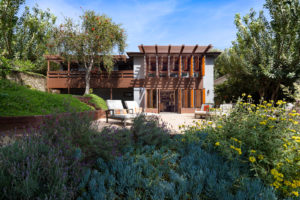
(114, 104)
(206, 108)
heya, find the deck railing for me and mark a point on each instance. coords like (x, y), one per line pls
(81, 74)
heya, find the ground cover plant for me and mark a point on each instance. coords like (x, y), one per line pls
(265, 135)
(97, 101)
(16, 100)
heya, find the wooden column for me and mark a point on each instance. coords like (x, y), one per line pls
(168, 66)
(145, 100)
(157, 99)
(186, 102)
(69, 77)
(203, 96)
(192, 67)
(192, 98)
(203, 66)
(111, 96)
(180, 66)
(48, 69)
(179, 100)
(156, 74)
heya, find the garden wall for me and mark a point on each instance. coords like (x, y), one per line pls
(34, 81)
(25, 122)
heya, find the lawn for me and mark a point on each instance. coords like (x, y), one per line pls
(16, 100)
(97, 101)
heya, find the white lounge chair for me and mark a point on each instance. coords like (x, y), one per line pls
(116, 111)
(133, 108)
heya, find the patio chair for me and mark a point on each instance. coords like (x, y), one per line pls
(133, 108)
(225, 109)
(116, 111)
(204, 112)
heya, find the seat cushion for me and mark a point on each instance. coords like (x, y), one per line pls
(124, 116)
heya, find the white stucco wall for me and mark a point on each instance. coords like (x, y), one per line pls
(138, 73)
(208, 80)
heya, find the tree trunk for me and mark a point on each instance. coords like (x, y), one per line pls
(87, 79)
(275, 92)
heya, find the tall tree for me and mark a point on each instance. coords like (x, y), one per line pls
(8, 21)
(90, 42)
(266, 54)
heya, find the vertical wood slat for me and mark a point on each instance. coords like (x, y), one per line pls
(186, 63)
(203, 96)
(151, 98)
(198, 98)
(192, 66)
(149, 66)
(145, 100)
(197, 63)
(180, 66)
(158, 99)
(203, 66)
(186, 102)
(192, 98)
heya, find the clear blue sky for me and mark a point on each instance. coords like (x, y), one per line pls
(163, 22)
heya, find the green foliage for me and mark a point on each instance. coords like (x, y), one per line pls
(266, 54)
(95, 35)
(265, 136)
(16, 100)
(5, 66)
(97, 101)
(26, 37)
(34, 169)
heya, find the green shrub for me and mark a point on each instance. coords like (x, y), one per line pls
(266, 136)
(34, 169)
(97, 101)
(16, 100)
(5, 66)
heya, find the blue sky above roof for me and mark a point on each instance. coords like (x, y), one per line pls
(163, 22)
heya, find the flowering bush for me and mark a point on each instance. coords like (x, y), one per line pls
(265, 135)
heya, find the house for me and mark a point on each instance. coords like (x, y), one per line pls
(160, 78)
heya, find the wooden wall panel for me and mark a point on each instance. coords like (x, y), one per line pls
(203, 66)
(203, 96)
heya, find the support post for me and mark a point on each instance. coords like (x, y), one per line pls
(111, 97)
(192, 67)
(145, 67)
(145, 100)
(203, 65)
(192, 98)
(48, 69)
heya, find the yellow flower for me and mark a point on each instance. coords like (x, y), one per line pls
(249, 96)
(287, 183)
(269, 104)
(263, 123)
(210, 123)
(260, 157)
(292, 130)
(183, 140)
(292, 114)
(252, 159)
(253, 151)
(285, 146)
(272, 118)
(293, 111)
(271, 127)
(234, 139)
(276, 184)
(295, 193)
(244, 94)
(238, 150)
(274, 172)
(219, 126)
(295, 122)
(232, 147)
(217, 143)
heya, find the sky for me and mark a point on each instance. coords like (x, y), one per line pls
(162, 22)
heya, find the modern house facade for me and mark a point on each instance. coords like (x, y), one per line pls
(159, 78)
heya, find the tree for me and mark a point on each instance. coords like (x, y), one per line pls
(265, 54)
(8, 21)
(90, 42)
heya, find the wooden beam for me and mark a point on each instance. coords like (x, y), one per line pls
(181, 50)
(195, 48)
(111, 97)
(142, 47)
(203, 96)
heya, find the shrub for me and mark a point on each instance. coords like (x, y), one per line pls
(34, 169)
(266, 136)
(97, 101)
(189, 173)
